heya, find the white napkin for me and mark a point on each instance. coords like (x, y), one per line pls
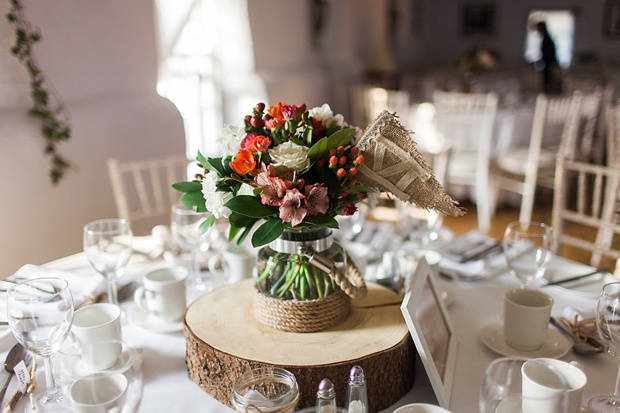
(81, 285)
(487, 266)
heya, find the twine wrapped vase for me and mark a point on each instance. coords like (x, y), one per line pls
(305, 282)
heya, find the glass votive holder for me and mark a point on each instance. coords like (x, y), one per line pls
(267, 389)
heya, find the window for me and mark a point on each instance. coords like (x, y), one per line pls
(561, 27)
(207, 67)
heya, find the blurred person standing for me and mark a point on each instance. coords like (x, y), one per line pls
(552, 82)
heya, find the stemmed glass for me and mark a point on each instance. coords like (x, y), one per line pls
(107, 244)
(187, 235)
(608, 325)
(40, 314)
(527, 248)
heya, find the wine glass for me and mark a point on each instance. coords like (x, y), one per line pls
(502, 389)
(188, 236)
(420, 225)
(608, 325)
(527, 248)
(107, 244)
(40, 314)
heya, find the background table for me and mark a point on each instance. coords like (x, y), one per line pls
(476, 304)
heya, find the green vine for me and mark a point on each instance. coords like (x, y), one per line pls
(47, 107)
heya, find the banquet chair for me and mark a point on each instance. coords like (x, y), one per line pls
(521, 169)
(142, 189)
(375, 100)
(584, 215)
(465, 121)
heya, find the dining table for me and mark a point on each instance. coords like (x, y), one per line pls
(471, 306)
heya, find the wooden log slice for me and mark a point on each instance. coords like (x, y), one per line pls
(224, 340)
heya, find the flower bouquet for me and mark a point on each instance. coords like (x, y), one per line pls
(289, 172)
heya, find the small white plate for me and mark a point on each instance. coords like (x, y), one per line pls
(420, 408)
(512, 404)
(589, 287)
(73, 367)
(555, 345)
(140, 318)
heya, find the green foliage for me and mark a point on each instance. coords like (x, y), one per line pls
(54, 127)
(322, 147)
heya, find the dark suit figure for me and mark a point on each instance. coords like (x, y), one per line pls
(551, 69)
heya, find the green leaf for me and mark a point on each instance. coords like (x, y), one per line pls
(322, 147)
(214, 165)
(244, 234)
(186, 186)
(322, 220)
(194, 201)
(268, 232)
(201, 158)
(240, 221)
(206, 224)
(250, 207)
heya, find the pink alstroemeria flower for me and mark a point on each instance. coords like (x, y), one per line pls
(291, 210)
(289, 111)
(316, 199)
(273, 189)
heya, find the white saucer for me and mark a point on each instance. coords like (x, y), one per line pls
(140, 318)
(512, 404)
(73, 367)
(555, 345)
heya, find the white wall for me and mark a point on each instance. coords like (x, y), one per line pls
(101, 57)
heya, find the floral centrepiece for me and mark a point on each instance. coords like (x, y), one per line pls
(290, 169)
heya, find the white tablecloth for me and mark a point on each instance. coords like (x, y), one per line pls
(476, 304)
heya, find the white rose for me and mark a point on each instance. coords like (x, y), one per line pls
(290, 155)
(323, 113)
(215, 200)
(230, 140)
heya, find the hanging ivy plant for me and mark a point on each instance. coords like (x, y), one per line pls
(47, 106)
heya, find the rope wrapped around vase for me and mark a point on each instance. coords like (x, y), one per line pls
(307, 316)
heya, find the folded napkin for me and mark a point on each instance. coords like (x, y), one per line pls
(81, 285)
(487, 265)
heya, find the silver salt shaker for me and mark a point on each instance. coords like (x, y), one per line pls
(326, 397)
(357, 398)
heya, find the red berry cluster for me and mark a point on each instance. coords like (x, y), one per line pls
(344, 162)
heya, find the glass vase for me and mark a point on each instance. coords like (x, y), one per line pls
(295, 266)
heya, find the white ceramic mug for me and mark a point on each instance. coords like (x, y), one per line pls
(237, 265)
(99, 393)
(95, 326)
(526, 318)
(163, 293)
(551, 386)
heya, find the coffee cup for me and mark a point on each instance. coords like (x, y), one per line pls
(96, 326)
(551, 386)
(526, 318)
(163, 293)
(237, 265)
(99, 393)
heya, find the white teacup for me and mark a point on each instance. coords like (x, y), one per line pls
(163, 293)
(237, 265)
(95, 326)
(551, 386)
(99, 393)
(526, 318)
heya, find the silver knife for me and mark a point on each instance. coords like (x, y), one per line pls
(577, 277)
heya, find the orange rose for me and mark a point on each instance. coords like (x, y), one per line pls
(243, 163)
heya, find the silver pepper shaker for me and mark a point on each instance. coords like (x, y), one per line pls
(357, 398)
(326, 397)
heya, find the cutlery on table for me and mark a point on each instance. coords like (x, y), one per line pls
(16, 354)
(124, 293)
(577, 277)
(584, 347)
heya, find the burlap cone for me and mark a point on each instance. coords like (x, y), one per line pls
(393, 164)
